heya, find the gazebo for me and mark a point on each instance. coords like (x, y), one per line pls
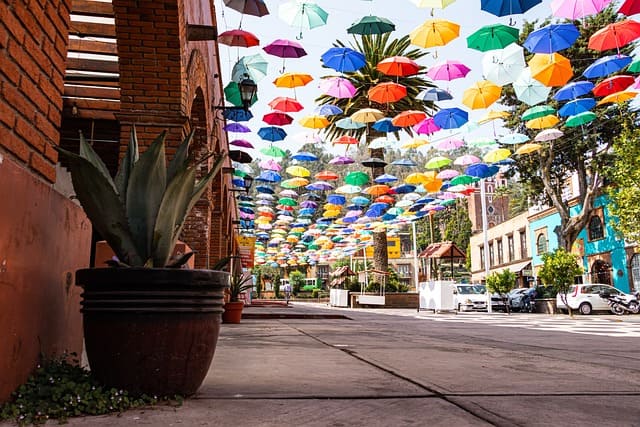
(437, 253)
(340, 275)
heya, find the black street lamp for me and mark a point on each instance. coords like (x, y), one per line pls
(248, 89)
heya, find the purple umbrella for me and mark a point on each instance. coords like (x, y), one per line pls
(448, 70)
(308, 204)
(236, 127)
(341, 160)
(241, 143)
(285, 49)
(426, 127)
(338, 87)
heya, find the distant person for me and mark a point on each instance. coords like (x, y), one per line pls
(287, 292)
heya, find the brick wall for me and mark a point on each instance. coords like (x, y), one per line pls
(33, 50)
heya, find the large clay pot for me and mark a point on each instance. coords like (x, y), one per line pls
(232, 312)
(151, 331)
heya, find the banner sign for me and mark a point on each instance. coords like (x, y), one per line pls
(246, 249)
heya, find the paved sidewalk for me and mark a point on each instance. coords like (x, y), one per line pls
(313, 365)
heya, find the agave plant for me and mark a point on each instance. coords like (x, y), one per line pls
(141, 212)
(238, 283)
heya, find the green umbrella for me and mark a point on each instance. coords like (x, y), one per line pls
(302, 14)
(634, 67)
(580, 119)
(489, 37)
(463, 180)
(273, 151)
(368, 25)
(437, 162)
(254, 66)
(537, 112)
(287, 201)
(356, 178)
(232, 95)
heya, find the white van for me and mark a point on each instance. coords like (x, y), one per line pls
(468, 297)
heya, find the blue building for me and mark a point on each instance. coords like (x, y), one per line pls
(606, 257)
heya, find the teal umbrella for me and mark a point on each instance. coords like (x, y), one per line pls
(356, 178)
(273, 151)
(232, 95)
(580, 119)
(537, 112)
(303, 14)
(368, 25)
(254, 66)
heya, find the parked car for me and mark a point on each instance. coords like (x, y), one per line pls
(469, 297)
(586, 299)
(517, 297)
(496, 300)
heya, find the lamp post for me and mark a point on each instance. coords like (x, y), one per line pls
(483, 206)
(248, 89)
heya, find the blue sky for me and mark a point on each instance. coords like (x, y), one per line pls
(342, 13)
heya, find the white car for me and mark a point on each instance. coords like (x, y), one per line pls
(469, 297)
(585, 298)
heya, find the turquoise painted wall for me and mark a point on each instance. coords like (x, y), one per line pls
(610, 243)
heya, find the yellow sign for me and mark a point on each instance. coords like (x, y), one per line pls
(246, 249)
(393, 248)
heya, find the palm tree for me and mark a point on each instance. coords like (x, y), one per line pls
(376, 48)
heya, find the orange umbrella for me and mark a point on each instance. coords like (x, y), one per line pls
(292, 80)
(346, 140)
(377, 190)
(384, 93)
(433, 185)
(621, 96)
(550, 69)
(542, 122)
(408, 118)
(385, 198)
(314, 122)
(434, 32)
(481, 95)
(398, 66)
(326, 175)
(615, 35)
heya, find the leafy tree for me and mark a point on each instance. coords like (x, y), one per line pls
(296, 279)
(458, 226)
(501, 283)
(559, 270)
(583, 150)
(376, 48)
(626, 176)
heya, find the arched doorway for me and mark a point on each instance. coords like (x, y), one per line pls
(601, 272)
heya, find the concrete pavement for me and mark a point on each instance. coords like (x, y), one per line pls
(296, 367)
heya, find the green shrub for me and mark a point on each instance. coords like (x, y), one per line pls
(315, 293)
(296, 279)
(60, 388)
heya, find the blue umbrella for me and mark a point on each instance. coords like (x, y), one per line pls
(307, 211)
(416, 207)
(481, 170)
(360, 201)
(376, 210)
(403, 189)
(246, 210)
(404, 162)
(451, 118)
(237, 114)
(385, 178)
(269, 176)
(343, 59)
(606, 65)
(552, 38)
(319, 186)
(265, 189)
(272, 133)
(328, 110)
(237, 182)
(336, 199)
(573, 90)
(434, 94)
(236, 127)
(507, 7)
(576, 106)
(425, 199)
(385, 125)
(304, 157)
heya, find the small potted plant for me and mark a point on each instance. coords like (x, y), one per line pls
(150, 325)
(239, 282)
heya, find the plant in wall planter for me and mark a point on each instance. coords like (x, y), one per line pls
(239, 283)
(150, 325)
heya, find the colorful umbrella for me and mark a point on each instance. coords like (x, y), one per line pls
(493, 115)
(550, 69)
(613, 84)
(414, 143)
(347, 123)
(615, 35)
(248, 7)
(408, 118)
(617, 97)
(368, 25)
(269, 176)
(254, 66)
(426, 127)
(577, 9)
(381, 142)
(356, 178)
(273, 151)
(377, 190)
(384, 179)
(385, 125)
(528, 148)
(314, 122)
(529, 90)
(348, 189)
(303, 156)
(437, 162)
(448, 174)
(434, 32)
(272, 133)
(343, 59)
(283, 48)
(507, 7)
(606, 65)
(240, 156)
(232, 95)
(513, 138)
(241, 143)
(404, 163)
(367, 115)
(450, 143)
(303, 14)
(481, 170)
(237, 114)
(481, 95)
(542, 122)
(285, 104)
(490, 37)
(434, 94)
(337, 87)
(573, 90)
(451, 118)
(341, 160)
(346, 140)
(448, 70)
(398, 66)
(496, 155)
(298, 171)
(576, 106)
(294, 183)
(326, 175)
(548, 135)
(538, 111)
(328, 110)
(292, 80)
(552, 38)
(270, 165)
(277, 118)
(503, 66)
(387, 92)
(238, 38)
(580, 119)
(465, 160)
(236, 127)
(630, 7)
(373, 162)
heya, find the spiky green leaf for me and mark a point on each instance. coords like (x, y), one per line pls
(124, 171)
(181, 157)
(87, 152)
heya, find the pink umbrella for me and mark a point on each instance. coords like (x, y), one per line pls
(426, 127)
(241, 143)
(448, 70)
(449, 144)
(467, 159)
(285, 49)
(270, 164)
(338, 87)
(576, 9)
(447, 174)
(341, 160)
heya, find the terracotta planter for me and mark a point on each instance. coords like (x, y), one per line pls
(546, 305)
(232, 312)
(151, 331)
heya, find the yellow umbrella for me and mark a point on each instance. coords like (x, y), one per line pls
(493, 115)
(550, 69)
(331, 214)
(434, 32)
(331, 207)
(292, 80)
(543, 122)
(298, 171)
(367, 115)
(294, 183)
(496, 155)
(528, 148)
(377, 190)
(621, 96)
(414, 143)
(481, 95)
(314, 122)
(417, 178)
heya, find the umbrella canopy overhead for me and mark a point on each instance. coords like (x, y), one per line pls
(490, 37)
(507, 7)
(577, 9)
(343, 59)
(573, 90)
(529, 90)
(398, 66)
(615, 35)
(292, 80)
(337, 87)
(387, 92)
(368, 25)
(434, 32)
(606, 65)
(254, 66)
(551, 69)
(448, 70)
(303, 14)
(551, 38)
(238, 38)
(503, 66)
(481, 95)
(248, 7)
(285, 104)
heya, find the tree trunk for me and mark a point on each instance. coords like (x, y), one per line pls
(380, 254)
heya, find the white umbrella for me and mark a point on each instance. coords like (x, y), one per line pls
(548, 135)
(503, 66)
(529, 90)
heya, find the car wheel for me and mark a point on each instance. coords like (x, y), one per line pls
(585, 308)
(634, 307)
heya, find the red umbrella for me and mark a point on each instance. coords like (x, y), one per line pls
(285, 104)
(346, 140)
(239, 38)
(398, 66)
(326, 175)
(385, 199)
(612, 85)
(277, 118)
(615, 35)
(383, 93)
(408, 118)
(630, 7)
